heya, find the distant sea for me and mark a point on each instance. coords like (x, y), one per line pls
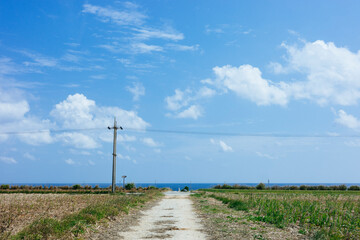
(177, 186)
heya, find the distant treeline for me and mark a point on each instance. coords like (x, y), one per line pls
(74, 188)
(262, 186)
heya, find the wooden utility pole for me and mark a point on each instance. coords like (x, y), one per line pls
(115, 127)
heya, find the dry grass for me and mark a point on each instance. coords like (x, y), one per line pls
(19, 210)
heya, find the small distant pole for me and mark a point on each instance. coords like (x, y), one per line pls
(124, 181)
(115, 127)
(268, 183)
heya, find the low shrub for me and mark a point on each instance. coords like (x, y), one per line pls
(260, 186)
(76, 187)
(5, 186)
(130, 186)
(354, 188)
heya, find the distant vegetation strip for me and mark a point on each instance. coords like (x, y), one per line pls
(262, 186)
(77, 188)
(73, 225)
(334, 215)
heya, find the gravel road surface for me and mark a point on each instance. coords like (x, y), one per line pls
(173, 218)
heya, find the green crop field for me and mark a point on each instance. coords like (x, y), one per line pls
(318, 214)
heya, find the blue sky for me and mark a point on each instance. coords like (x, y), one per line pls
(282, 73)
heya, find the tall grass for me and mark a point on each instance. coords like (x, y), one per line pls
(335, 215)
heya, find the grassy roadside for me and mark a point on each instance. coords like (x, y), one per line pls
(222, 222)
(72, 226)
(316, 215)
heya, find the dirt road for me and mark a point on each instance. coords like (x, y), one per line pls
(172, 218)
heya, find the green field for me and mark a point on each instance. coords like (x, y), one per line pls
(318, 214)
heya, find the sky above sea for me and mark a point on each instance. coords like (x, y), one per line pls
(206, 91)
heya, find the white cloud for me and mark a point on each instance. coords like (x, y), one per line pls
(8, 160)
(218, 29)
(39, 60)
(137, 90)
(332, 73)
(7, 66)
(264, 155)
(179, 47)
(150, 142)
(29, 156)
(183, 103)
(247, 82)
(123, 157)
(193, 112)
(145, 48)
(223, 146)
(77, 111)
(12, 110)
(127, 16)
(92, 163)
(205, 92)
(178, 100)
(331, 76)
(169, 33)
(70, 161)
(126, 138)
(347, 120)
(78, 140)
(14, 115)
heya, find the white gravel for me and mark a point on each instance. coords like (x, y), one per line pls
(172, 218)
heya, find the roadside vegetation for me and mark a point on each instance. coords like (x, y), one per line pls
(315, 214)
(61, 215)
(77, 188)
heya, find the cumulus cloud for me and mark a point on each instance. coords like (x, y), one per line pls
(183, 104)
(8, 160)
(331, 76)
(77, 111)
(347, 120)
(193, 112)
(137, 89)
(332, 73)
(223, 146)
(247, 82)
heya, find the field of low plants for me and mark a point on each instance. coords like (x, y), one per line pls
(54, 216)
(316, 214)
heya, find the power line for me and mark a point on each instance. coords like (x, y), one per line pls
(50, 130)
(170, 131)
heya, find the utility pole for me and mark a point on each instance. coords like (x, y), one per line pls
(124, 181)
(115, 127)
